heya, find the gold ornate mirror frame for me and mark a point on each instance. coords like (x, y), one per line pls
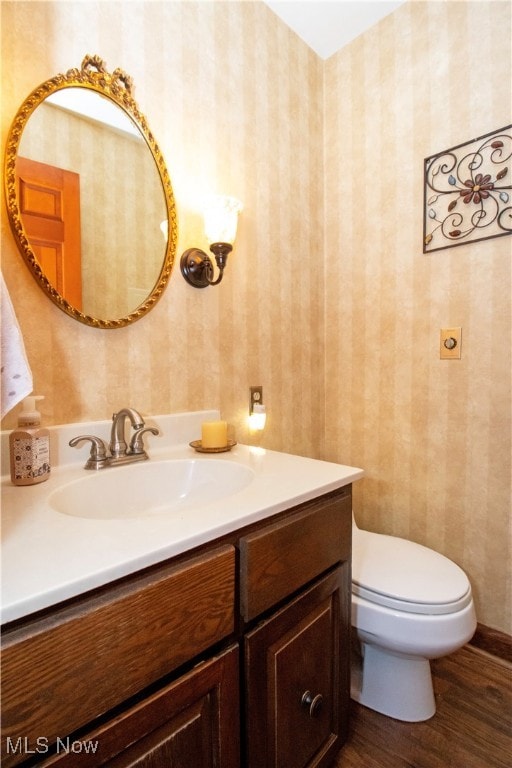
(118, 88)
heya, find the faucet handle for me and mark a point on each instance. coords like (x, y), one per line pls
(137, 443)
(98, 456)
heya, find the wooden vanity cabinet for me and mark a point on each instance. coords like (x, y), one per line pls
(295, 593)
(233, 657)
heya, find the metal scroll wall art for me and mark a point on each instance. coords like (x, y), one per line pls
(468, 192)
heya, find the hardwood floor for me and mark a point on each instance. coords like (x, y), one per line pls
(472, 727)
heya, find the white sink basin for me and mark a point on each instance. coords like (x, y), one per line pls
(149, 488)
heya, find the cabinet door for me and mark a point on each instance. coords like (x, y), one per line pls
(193, 722)
(297, 680)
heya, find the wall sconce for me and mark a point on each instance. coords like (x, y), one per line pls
(220, 222)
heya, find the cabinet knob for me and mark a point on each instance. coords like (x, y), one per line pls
(313, 703)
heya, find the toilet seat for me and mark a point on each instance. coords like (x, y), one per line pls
(406, 576)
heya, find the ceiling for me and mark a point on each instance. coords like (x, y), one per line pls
(328, 25)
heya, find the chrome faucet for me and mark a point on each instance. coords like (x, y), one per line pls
(118, 451)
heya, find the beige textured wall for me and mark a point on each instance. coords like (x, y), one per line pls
(234, 100)
(238, 104)
(432, 435)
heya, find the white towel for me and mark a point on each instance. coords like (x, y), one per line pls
(16, 376)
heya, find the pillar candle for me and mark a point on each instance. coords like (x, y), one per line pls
(214, 434)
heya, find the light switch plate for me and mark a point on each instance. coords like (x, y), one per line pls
(450, 343)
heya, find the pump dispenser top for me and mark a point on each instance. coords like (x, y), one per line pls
(28, 415)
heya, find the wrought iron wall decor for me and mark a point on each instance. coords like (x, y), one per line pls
(468, 192)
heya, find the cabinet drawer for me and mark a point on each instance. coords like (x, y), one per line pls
(60, 673)
(283, 556)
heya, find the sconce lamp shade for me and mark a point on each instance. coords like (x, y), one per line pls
(221, 219)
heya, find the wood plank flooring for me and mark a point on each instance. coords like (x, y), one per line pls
(472, 727)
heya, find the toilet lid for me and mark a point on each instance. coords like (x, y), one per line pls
(406, 576)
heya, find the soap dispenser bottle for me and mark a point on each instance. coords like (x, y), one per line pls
(29, 446)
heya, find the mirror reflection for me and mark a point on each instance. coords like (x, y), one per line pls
(96, 211)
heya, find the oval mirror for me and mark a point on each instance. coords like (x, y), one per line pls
(89, 198)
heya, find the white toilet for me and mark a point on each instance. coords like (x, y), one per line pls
(409, 604)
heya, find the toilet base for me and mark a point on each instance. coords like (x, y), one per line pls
(397, 686)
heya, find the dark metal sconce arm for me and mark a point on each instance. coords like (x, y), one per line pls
(197, 267)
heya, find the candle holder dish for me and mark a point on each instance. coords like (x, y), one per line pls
(197, 446)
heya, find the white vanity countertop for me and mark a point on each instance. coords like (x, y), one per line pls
(48, 557)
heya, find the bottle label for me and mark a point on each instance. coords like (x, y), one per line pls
(31, 457)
